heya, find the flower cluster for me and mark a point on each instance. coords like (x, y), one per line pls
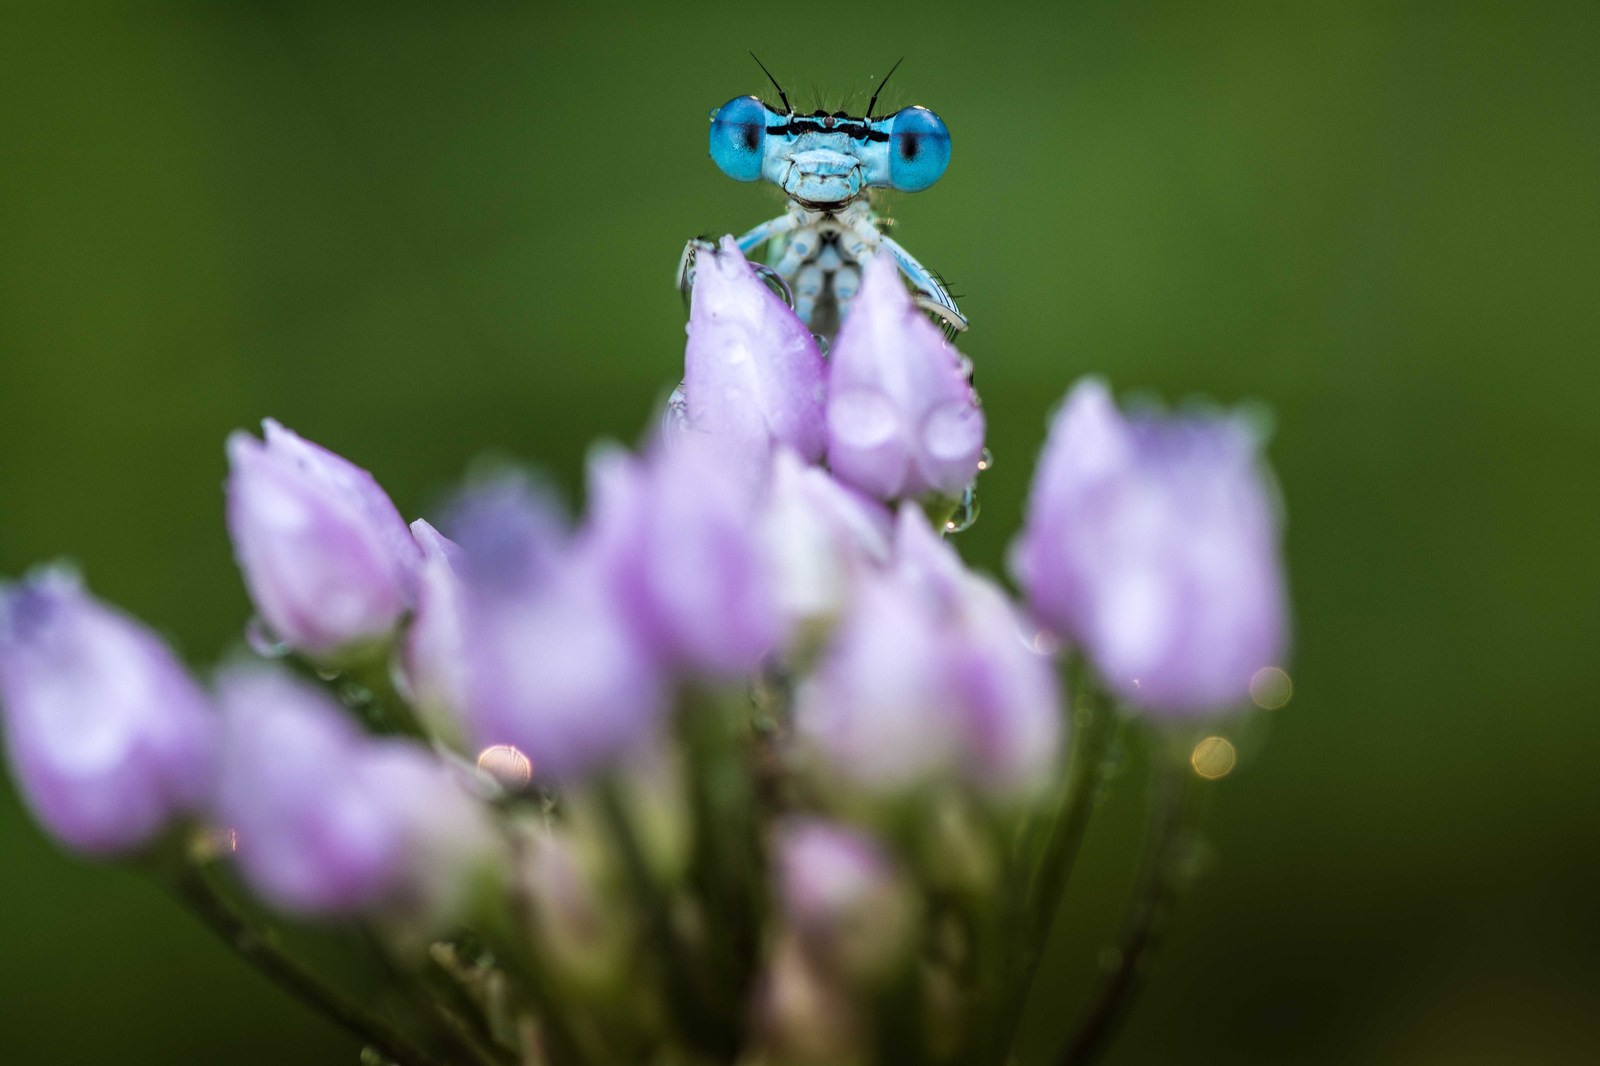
(741, 763)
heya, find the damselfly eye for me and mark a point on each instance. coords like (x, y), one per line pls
(737, 130)
(919, 149)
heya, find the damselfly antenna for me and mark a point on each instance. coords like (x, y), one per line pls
(786, 105)
(871, 103)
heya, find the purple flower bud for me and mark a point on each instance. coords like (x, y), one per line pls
(929, 677)
(753, 374)
(676, 536)
(878, 707)
(817, 535)
(107, 735)
(446, 838)
(329, 821)
(1152, 543)
(555, 668)
(434, 653)
(827, 871)
(512, 534)
(903, 420)
(328, 560)
(842, 896)
(561, 676)
(1009, 708)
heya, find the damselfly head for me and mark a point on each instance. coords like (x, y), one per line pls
(826, 160)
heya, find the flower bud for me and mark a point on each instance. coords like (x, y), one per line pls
(903, 420)
(108, 737)
(555, 668)
(841, 894)
(676, 537)
(929, 678)
(447, 843)
(877, 707)
(433, 656)
(329, 562)
(1009, 708)
(753, 375)
(1151, 542)
(816, 535)
(329, 821)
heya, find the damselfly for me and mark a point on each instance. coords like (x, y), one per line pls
(828, 164)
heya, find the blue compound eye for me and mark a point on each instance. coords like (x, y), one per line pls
(919, 149)
(737, 130)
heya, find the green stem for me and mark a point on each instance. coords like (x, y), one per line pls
(728, 867)
(1093, 728)
(1171, 816)
(195, 890)
(384, 708)
(468, 1039)
(523, 965)
(685, 989)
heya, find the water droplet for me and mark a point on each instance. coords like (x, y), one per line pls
(675, 417)
(966, 512)
(263, 641)
(776, 282)
(862, 418)
(952, 431)
(985, 461)
(507, 765)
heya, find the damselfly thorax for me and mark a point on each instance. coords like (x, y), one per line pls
(828, 164)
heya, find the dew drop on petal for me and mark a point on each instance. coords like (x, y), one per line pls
(953, 431)
(862, 418)
(263, 641)
(507, 765)
(965, 514)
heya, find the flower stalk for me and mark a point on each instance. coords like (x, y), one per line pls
(1173, 809)
(191, 883)
(1094, 726)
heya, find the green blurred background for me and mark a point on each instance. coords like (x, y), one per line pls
(418, 235)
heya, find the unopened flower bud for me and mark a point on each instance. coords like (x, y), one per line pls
(929, 677)
(435, 649)
(329, 821)
(817, 535)
(878, 708)
(107, 735)
(842, 895)
(676, 535)
(903, 419)
(329, 562)
(1005, 690)
(754, 378)
(556, 669)
(1151, 542)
